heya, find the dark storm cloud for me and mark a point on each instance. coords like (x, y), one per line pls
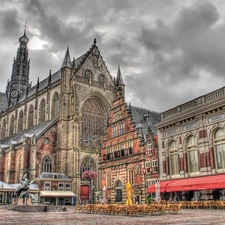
(169, 51)
(179, 52)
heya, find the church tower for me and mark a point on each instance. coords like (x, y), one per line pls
(19, 83)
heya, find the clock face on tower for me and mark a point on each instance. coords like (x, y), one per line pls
(14, 93)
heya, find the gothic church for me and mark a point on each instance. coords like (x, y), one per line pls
(57, 125)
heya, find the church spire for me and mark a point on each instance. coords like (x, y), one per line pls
(119, 84)
(119, 79)
(19, 82)
(67, 61)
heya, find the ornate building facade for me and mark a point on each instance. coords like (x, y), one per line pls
(191, 148)
(130, 151)
(57, 125)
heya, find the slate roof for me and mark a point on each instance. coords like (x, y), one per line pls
(145, 119)
(32, 187)
(5, 186)
(37, 131)
(47, 175)
(54, 77)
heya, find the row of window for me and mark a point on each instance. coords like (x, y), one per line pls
(151, 167)
(118, 130)
(193, 154)
(62, 186)
(118, 154)
(15, 126)
(123, 145)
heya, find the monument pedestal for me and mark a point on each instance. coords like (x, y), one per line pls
(22, 201)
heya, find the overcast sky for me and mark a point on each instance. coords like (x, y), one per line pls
(169, 51)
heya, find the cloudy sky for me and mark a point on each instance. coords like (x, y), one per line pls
(169, 51)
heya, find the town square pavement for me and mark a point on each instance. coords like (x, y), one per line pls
(187, 216)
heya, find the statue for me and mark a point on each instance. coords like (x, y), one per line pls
(22, 190)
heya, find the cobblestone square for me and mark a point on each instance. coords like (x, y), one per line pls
(188, 216)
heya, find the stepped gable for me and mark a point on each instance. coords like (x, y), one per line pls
(147, 118)
(37, 131)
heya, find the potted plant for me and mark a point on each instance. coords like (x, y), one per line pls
(148, 199)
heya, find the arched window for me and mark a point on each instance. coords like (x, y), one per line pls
(55, 105)
(46, 164)
(118, 192)
(3, 129)
(192, 154)
(173, 158)
(30, 117)
(20, 121)
(219, 149)
(42, 111)
(11, 126)
(94, 119)
(87, 164)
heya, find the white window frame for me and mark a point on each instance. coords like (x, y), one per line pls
(60, 189)
(47, 183)
(150, 149)
(67, 187)
(155, 166)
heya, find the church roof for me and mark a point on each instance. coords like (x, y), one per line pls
(52, 79)
(37, 131)
(145, 119)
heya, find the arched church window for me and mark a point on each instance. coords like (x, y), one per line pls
(219, 149)
(46, 164)
(30, 117)
(55, 105)
(20, 121)
(11, 125)
(3, 129)
(93, 122)
(87, 164)
(42, 111)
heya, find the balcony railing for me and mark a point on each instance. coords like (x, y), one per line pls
(194, 104)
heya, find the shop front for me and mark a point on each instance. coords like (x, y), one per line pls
(6, 193)
(194, 188)
(56, 197)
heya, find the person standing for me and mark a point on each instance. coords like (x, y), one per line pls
(74, 200)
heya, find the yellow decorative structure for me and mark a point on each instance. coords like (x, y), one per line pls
(128, 188)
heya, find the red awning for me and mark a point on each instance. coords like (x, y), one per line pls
(163, 185)
(197, 183)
